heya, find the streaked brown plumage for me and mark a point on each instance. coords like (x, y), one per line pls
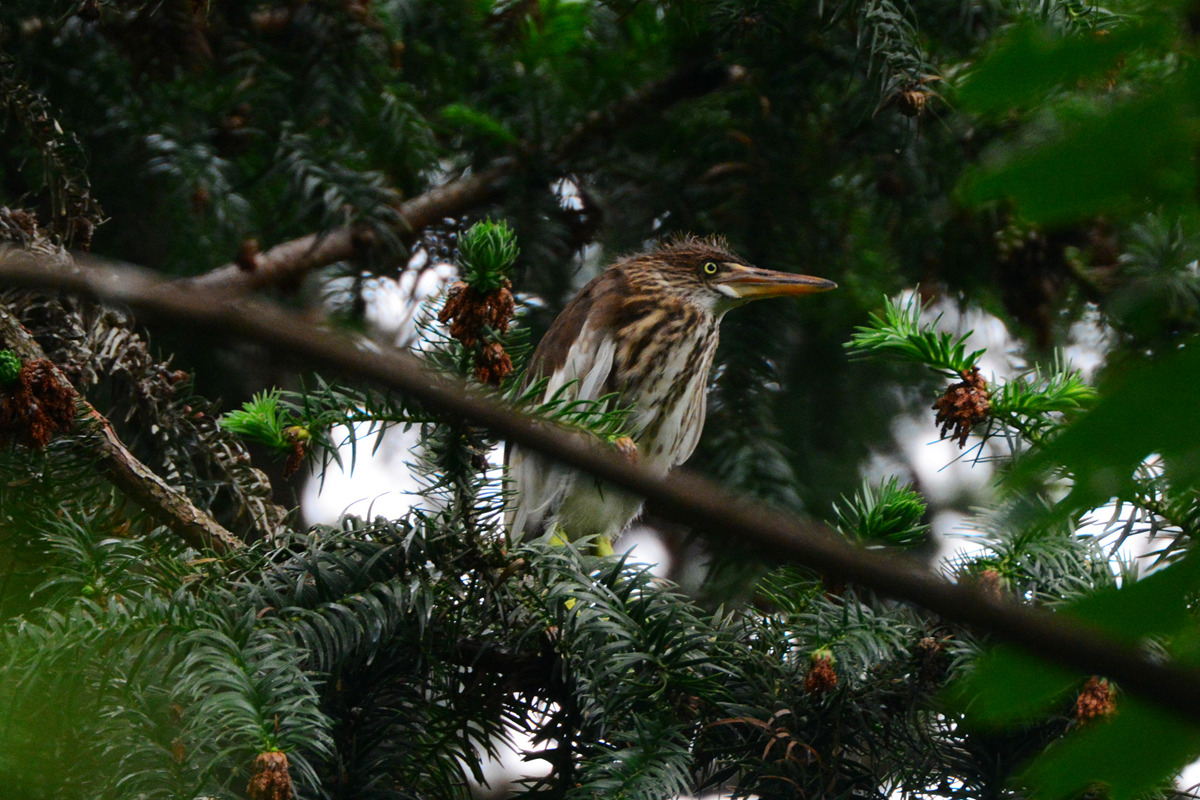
(646, 329)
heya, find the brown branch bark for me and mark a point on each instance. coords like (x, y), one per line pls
(143, 486)
(287, 261)
(680, 497)
(134, 479)
(290, 260)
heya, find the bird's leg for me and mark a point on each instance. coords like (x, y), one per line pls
(559, 538)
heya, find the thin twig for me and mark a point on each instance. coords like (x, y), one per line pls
(134, 479)
(680, 497)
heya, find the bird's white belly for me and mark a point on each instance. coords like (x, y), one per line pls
(590, 507)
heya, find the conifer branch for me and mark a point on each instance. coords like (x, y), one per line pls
(290, 260)
(682, 498)
(136, 481)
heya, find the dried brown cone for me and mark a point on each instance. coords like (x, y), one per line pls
(963, 405)
(247, 255)
(474, 316)
(200, 199)
(991, 583)
(270, 780)
(298, 437)
(36, 407)
(912, 100)
(626, 447)
(470, 312)
(932, 661)
(492, 364)
(822, 677)
(1097, 699)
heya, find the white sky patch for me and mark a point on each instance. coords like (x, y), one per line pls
(1126, 533)
(954, 538)
(944, 472)
(644, 546)
(381, 483)
(393, 306)
(1087, 343)
(567, 191)
(1189, 779)
(378, 481)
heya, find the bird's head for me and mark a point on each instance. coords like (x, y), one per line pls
(706, 272)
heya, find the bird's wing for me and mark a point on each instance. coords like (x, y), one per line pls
(539, 485)
(692, 425)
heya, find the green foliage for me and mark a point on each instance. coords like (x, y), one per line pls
(1103, 449)
(323, 418)
(887, 514)
(487, 252)
(478, 123)
(10, 367)
(1118, 754)
(1107, 162)
(260, 420)
(1038, 401)
(1101, 157)
(1160, 299)
(247, 681)
(1032, 59)
(902, 335)
(333, 185)
(888, 33)
(602, 417)
(63, 178)
(1132, 441)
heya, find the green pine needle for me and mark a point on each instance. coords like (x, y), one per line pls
(487, 252)
(901, 335)
(602, 417)
(10, 367)
(886, 514)
(1031, 397)
(476, 122)
(260, 420)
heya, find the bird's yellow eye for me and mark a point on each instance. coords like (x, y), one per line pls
(710, 268)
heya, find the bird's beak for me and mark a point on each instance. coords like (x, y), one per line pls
(751, 283)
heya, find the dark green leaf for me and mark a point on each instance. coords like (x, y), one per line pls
(1137, 155)
(1139, 748)
(1007, 686)
(1033, 59)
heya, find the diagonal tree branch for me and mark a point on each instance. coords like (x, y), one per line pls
(134, 479)
(289, 260)
(680, 497)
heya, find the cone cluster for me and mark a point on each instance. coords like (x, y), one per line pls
(35, 406)
(963, 405)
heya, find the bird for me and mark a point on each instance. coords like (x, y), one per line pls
(644, 331)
